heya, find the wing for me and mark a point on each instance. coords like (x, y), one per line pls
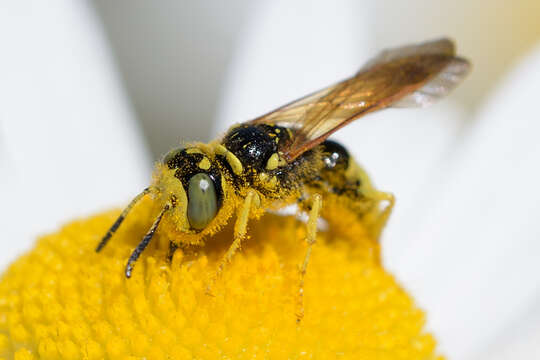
(409, 76)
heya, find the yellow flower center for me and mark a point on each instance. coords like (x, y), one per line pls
(63, 301)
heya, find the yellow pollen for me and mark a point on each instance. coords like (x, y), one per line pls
(204, 164)
(61, 300)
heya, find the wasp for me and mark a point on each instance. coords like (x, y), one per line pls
(284, 157)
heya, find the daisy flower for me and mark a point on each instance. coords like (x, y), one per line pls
(463, 239)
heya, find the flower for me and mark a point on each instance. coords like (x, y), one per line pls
(463, 236)
(62, 300)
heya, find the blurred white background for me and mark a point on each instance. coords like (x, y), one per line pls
(92, 92)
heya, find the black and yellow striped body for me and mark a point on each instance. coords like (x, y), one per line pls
(327, 169)
(249, 157)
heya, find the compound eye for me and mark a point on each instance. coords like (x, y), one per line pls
(202, 201)
(170, 158)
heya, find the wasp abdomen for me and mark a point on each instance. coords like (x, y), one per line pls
(335, 156)
(334, 176)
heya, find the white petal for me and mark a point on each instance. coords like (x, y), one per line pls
(400, 148)
(68, 142)
(474, 263)
(519, 340)
(290, 49)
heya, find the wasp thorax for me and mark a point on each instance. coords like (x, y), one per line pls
(253, 145)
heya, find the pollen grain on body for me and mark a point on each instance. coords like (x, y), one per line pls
(61, 300)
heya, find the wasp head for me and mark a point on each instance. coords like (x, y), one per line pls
(191, 183)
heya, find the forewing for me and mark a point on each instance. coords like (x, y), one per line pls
(409, 76)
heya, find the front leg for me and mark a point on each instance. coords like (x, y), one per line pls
(240, 229)
(311, 237)
(172, 249)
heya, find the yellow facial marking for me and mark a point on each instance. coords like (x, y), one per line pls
(204, 164)
(272, 162)
(206, 148)
(275, 161)
(236, 165)
(194, 151)
(221, 150)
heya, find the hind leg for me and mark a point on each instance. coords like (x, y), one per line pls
(378, 216)
(311, 237)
